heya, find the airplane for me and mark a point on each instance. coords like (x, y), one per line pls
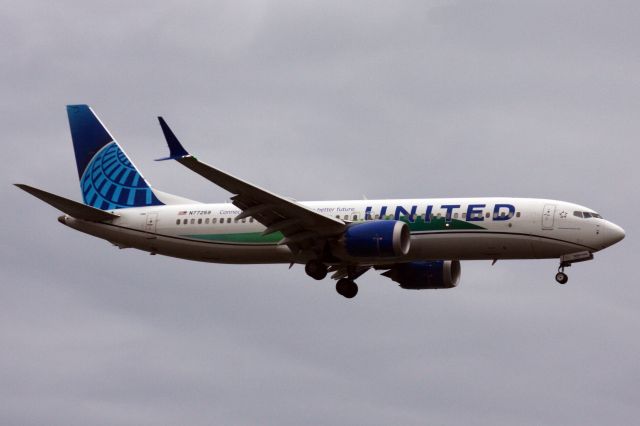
(417, 243)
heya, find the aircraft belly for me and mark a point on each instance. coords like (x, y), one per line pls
(488, 245)
(545, 248)
(470, 246)
(183, 248)
(222, 253)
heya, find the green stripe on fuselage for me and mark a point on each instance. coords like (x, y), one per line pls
(241, 237)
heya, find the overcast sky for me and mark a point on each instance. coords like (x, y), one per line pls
(321, 100)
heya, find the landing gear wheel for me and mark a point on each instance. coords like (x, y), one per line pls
(316, 269)
(562, 278)
(347, 288)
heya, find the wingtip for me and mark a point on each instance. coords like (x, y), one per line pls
(176, 150)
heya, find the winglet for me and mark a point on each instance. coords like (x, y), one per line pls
(176, 150)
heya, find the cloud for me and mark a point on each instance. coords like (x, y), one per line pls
(323, 100)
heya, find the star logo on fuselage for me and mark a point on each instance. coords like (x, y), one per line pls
(563, 215)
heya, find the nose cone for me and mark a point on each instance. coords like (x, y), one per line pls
(614, 234)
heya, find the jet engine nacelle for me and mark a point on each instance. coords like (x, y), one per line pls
(379, 238)
(426, 275)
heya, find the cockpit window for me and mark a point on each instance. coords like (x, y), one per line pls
(587, 215)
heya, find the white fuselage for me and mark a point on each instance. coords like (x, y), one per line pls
(449, 228)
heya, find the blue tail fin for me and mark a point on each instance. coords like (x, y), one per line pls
(108, 179)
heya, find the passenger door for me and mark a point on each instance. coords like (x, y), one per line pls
(150, 225)
(548, 216)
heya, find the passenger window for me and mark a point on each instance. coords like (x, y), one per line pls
(346, 217)
(455, 215)
(206, 221)
(517, 214)
(337, 216)
(577, 214)
(199, 221)
(355, 217)
(377, 216)
(502, 214)
(235, 220)
(250, 220)
(193, 221)
(487, 215)
(510, 215)
(184, 221)
(228, 220)
(464, 215)
(178, 222)
(214, 220)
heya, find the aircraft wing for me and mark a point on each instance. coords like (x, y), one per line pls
(296, 222)
(70, 207)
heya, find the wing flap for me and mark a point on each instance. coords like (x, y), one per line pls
(70, 207)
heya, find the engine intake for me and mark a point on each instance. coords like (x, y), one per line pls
(380, 238)
(426, 275)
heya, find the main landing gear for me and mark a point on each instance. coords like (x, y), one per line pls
(347, 288)
(316, 269)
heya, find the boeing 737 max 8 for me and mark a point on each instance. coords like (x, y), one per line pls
(418, 243)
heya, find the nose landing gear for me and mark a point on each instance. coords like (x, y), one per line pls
(566, 261)
(561, 277)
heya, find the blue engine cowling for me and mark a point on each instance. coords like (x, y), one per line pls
(379, 238)
(426, 275)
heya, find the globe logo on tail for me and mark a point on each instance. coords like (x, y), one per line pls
(110, 181)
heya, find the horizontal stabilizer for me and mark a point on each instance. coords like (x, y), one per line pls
(70, 207)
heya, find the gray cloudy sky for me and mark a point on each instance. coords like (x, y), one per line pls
(321, 100)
